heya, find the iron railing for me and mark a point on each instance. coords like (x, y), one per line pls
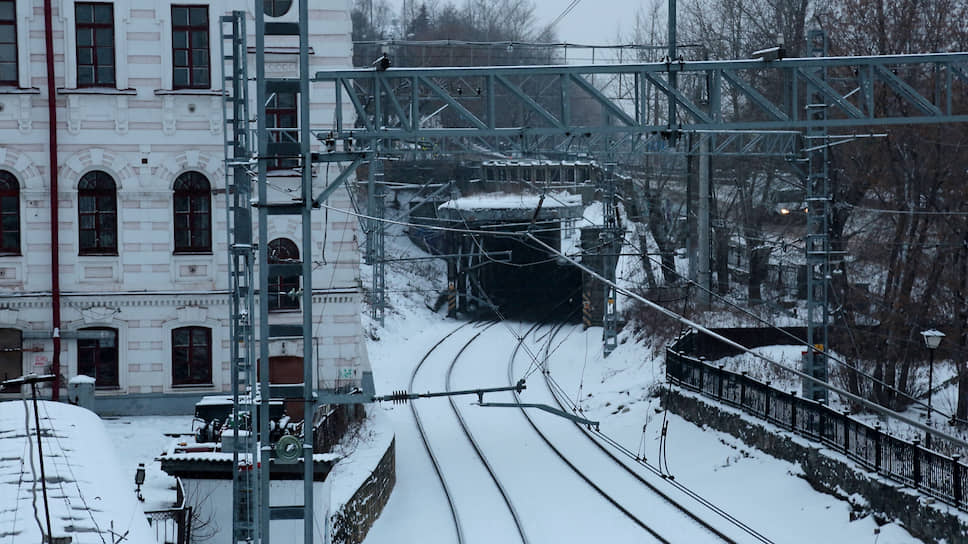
(908, 463)
(172, 525)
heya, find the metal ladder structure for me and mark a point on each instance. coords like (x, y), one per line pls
(241, 250)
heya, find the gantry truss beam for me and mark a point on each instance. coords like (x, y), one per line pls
(569, 103)
(625, 148)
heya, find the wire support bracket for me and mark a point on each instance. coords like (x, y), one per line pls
(399, 397)
(544, 407)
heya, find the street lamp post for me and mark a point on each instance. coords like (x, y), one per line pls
(932, 338)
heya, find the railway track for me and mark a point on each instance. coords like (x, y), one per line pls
(447, 486)
(597, 438)
(481, 459)
(597, 477)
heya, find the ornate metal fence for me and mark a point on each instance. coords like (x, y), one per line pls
(172, 525)
(906, 462)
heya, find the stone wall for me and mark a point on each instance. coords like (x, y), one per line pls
(352, 522)
(829, 473)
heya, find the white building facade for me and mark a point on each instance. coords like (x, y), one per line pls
(141, 202)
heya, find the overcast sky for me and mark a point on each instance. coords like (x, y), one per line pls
(592, 21)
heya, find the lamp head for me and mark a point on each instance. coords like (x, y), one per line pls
(770, 53)
(139, 475)
(932, 338)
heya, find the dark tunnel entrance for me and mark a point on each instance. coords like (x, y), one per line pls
(504, 272)
(534, 285)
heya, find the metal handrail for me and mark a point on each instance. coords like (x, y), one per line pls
(907, 462)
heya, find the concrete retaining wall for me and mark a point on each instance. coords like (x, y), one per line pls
(830, 473)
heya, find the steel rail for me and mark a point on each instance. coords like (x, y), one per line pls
(426, 443)
(564, 459)
(477, 448)
(678, 485)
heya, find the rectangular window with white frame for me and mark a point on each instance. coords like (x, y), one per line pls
(94, 22)
(191, 68)
(8, 42)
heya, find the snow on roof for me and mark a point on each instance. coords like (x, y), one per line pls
(537, 162)
(81, 378)
(226, 457)
(496, 201)
(86, 490)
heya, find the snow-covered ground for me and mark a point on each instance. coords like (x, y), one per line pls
(554, 504)
(761, 491)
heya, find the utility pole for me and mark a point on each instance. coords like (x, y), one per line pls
(375, 236)
(703, 238)
(818, 227)
(611, 242)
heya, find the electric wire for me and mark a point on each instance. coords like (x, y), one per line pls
(423, 436)
(746, 312)
(705, 330)
(793, 337)
(564, 13)
(575, 469)
(77, 485)
(558, 393)
(33, 469)
(477, 448)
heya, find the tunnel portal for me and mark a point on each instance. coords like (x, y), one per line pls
(505, 272)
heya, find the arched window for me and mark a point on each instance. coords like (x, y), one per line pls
(193, 214)
(191, 356)
(97, 355)
(283, 287)
(9, 214)
(97, 207)
(276, 8)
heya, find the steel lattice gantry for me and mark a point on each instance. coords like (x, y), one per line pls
(615, 111)
(547, 105)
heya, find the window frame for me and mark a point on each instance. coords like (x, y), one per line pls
(283, 250)
(16, 354)
(16, 47)
(274, 113)
(195, 196)
(271, 7)
(190, 347)
(92, 346)
(10, 188)
(94, 26)
(191, 29)
(96, 193)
